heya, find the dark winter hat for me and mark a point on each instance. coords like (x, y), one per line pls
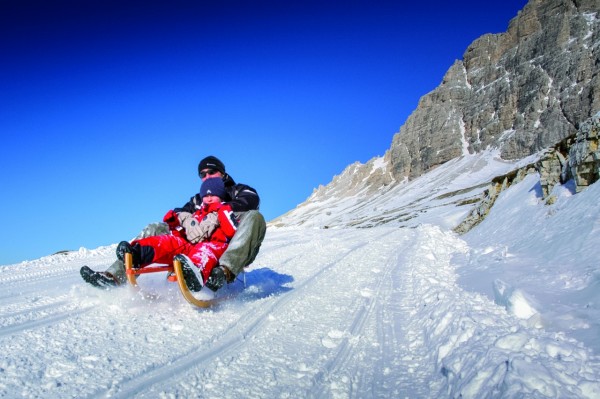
(211, 162)
(213, 186)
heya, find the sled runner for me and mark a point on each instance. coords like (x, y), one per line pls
(132, 275)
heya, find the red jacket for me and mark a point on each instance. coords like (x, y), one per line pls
(227, 222)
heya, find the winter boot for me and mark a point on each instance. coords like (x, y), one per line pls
(98, 279)
(123, 248)
(216, 279)
(126, 248)
(191, 273)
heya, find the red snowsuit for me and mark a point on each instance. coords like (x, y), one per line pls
(205, 254)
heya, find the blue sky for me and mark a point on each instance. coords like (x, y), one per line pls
(107, 107)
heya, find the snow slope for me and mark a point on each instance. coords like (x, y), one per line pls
(508, 310)
(433, 198)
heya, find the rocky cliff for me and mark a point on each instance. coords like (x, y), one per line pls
(521, 91)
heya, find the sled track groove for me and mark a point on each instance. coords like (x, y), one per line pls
(342, 356)
(401, 375)
(33, 276)
(234, 338)
(341, 359)
(14, 289)
(41, 322)
(31, 307)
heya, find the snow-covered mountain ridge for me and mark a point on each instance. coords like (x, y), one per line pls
(443, 197)
(367, 196)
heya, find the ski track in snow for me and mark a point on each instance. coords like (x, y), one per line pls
(349, 313)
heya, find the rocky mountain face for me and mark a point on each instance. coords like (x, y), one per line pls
(576, 159)
(521, 91)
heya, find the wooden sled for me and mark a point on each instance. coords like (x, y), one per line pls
(132, 275)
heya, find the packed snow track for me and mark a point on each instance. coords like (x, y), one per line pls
(348, 313)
